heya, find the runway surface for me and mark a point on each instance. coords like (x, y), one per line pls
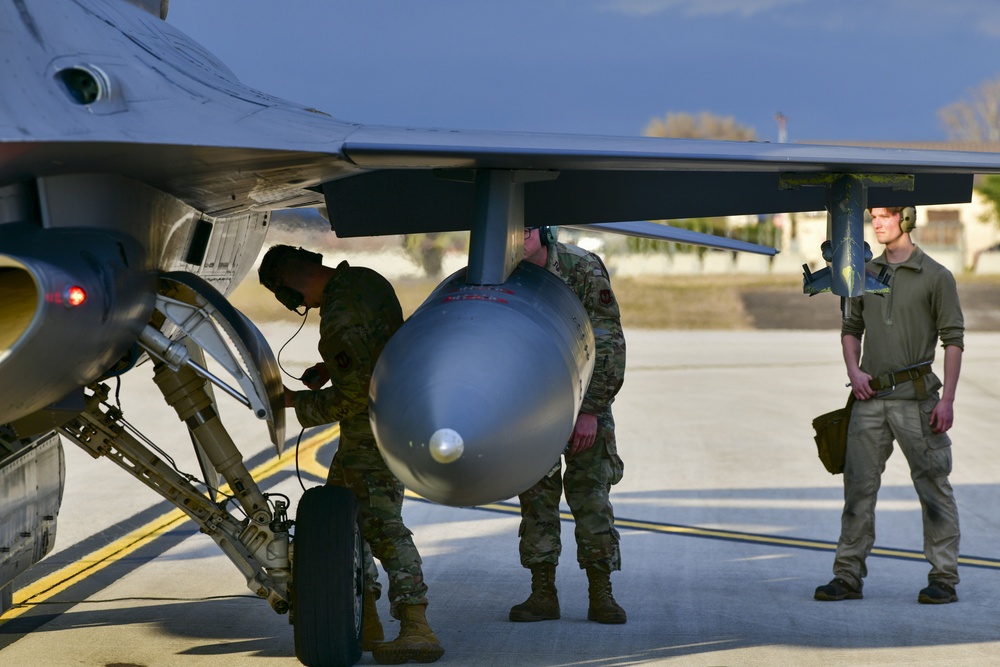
(728, 523)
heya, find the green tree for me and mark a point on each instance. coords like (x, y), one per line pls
(989, 188)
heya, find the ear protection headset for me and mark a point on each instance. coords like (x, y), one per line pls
(908, 219)
(548, 234)
(290, 298)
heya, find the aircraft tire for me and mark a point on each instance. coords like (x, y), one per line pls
(328, 578)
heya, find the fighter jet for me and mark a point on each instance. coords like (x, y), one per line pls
(137, 180)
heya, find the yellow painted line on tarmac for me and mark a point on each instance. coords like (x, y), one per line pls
(741, 537)
(308, 461)
(53, 584)
(726, 534)
(787, 542)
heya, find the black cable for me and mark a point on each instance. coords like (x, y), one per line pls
(277, 357)
(298, 473)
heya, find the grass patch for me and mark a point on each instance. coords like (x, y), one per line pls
(646, 302)
(681, 302)
(673, 302)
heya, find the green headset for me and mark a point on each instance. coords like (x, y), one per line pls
(548, 234)
(908, 219)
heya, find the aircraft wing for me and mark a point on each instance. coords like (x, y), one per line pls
(611, 179)
(418, 173)
(138, 98)
(388, 181)
(661, 232)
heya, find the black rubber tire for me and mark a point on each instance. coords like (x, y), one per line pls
(328, 578)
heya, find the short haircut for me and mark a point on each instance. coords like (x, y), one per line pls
(281, 258)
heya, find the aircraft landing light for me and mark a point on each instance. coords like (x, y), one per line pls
(74, 296)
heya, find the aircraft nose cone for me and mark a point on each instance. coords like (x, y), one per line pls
(446, 445)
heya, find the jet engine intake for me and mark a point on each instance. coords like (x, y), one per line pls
(72, 303)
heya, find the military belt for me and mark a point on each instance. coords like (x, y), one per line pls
(889, 381)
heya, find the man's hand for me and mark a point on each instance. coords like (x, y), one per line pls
(852, 359)
(316, 376)
(584, 433)
(859, 385)
(289, 398)
(943, 416)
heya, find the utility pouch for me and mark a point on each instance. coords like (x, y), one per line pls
(831, 436)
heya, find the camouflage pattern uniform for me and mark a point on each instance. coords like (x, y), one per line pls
(359, 313)
(589, 474)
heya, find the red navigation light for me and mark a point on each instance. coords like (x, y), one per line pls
(75, 296)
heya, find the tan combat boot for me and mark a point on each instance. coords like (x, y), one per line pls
(371, 627)
(416, 640)
(542, 604)
(603, 607)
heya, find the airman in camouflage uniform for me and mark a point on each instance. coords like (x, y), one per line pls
(592, 461)
(359, 312)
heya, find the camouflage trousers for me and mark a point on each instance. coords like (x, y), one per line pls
(359, 466)
(874, 425)
(586, 481)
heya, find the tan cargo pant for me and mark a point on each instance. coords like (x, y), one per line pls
(874, 425)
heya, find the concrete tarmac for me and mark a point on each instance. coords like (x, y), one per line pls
(728, 522)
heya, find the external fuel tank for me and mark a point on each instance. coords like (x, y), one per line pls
(475, 397)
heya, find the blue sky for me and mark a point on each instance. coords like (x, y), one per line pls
(847, 70)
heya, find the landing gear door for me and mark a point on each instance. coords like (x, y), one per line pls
(197, 304)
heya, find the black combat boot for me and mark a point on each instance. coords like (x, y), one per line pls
(542, 604)
(603, 607)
